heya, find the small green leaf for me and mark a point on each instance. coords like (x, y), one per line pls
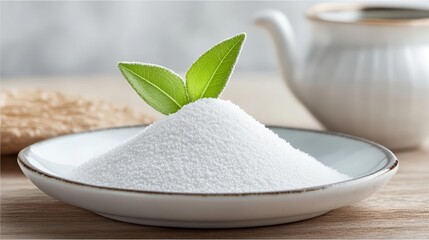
(160, 87)
(208, 76)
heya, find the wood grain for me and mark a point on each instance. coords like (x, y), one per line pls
(398, 210)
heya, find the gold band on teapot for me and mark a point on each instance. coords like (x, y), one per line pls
(315, 12)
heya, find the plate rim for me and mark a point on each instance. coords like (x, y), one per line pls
(391, 165)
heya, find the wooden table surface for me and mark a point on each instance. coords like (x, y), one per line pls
(399, 210)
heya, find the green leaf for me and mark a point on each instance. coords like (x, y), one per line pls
(160, 87)
(208, 76)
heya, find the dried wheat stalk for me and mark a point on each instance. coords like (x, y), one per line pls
(28, 116)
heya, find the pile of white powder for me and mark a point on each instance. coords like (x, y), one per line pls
(209, 146)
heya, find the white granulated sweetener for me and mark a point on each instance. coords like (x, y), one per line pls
(209, 146)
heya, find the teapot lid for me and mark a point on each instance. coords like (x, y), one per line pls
(350, 13)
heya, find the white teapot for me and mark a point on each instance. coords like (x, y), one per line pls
(366, 72)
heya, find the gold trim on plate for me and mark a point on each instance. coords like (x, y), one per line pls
(391, 164)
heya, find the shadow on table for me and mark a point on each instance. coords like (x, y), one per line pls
(9, 165)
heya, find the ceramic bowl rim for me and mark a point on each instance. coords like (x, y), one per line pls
(391, 165)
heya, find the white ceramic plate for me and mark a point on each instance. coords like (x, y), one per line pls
(48, 164)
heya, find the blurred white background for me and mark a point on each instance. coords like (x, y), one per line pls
(89, 38)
